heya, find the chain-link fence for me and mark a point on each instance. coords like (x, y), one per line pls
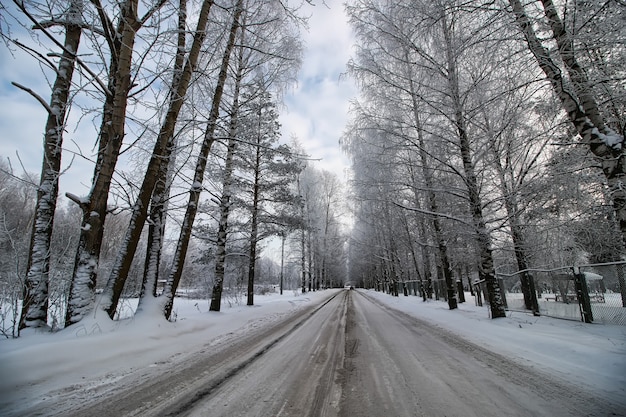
(592, 293)
(607, 291)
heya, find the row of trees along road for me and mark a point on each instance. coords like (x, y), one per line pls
(188, 90)
(488, 133)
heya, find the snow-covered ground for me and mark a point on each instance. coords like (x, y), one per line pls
(35, 367)
(588, 355)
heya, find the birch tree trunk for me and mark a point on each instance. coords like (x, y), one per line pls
(511, 205)
(312, 286)
(519, 244)
(35, 295)
(486, 270)
(302, 261)
(160, 195)
(411, 248)
(94, 207)
(222, 232)
(196, 186)
(432, 199)
(426, 281)
(160, 154)
(302, 238)
(579, 104)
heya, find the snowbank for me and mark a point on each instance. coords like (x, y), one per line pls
(99, 351)
(36, 367)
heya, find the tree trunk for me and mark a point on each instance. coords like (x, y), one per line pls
(94, 207)
(604, 143)
(432, 199)
(303, 260)
(410, 244)
(302, 240)
(35, 296)
(220, 252)
(254, 227)
(196, 186)
(252, 257)
(487, 270)
(509, 194)
(163, 146)
(310, 261)
(160, 195)
(156, 231)
(577, 75)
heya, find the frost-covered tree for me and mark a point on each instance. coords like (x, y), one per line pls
(120, 34)
(324, 214)
(422, 55)
(266, 176)
(157, 171)
(201, 163)
(35, 296)
(17, 202)
(576, 70)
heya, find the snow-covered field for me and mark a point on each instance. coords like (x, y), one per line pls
(36, 367)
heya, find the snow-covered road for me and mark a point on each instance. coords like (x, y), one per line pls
(357, 357)
(340, 353)
(402, 366)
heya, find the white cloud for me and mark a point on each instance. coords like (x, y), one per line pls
(317, 109)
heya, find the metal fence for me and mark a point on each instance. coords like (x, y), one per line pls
(591, 293)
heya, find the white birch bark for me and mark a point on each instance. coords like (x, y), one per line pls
(196, 186)
(35, 295)
(165, 141)
(94, 207)
(483, 238)
(158, 203)
(577, 101)
(225, 203)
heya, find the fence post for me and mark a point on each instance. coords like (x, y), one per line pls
(478, 293)
(461, 291)
(533, 295)
(583, 297)
(622, 282)
(503, 292)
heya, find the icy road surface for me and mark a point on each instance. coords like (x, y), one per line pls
(350, 356)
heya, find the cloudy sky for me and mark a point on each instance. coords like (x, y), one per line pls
(315, 109)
